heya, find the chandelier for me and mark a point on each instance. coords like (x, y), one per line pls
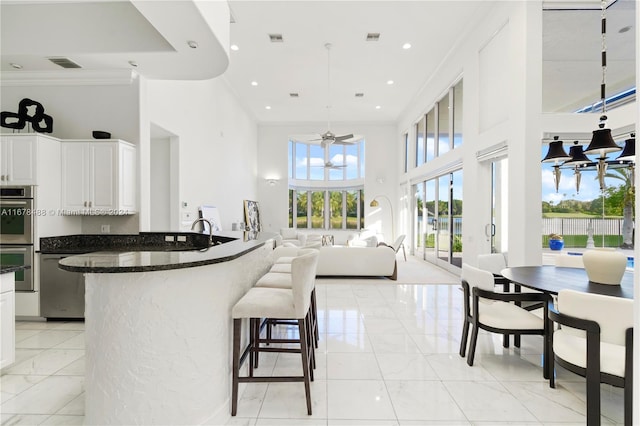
(602, 142)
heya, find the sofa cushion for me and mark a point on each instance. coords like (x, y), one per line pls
(356, 261)
(289, 233)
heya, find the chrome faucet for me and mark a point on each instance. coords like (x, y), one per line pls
(201, 219)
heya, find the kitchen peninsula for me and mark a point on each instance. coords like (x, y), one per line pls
(157, 329)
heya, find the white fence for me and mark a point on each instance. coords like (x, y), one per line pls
(575, 226)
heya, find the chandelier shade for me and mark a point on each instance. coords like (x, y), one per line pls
(556, 153)
(602, 143)
(577, 156)
(629, 151)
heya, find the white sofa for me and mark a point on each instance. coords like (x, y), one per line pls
(292, 236)
(350, 261)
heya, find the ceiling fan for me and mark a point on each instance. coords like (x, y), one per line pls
(328, 137)
(330, 165)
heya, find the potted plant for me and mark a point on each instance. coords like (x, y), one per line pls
(556, 242)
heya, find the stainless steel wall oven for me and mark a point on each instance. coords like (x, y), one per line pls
(16, 232)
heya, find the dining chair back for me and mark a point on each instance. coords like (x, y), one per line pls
(596, 342)
(492, 262)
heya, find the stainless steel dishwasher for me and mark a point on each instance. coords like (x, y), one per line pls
(61, 292)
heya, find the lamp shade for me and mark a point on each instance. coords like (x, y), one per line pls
(629, 151)
(577, 156)
(556, 153)
(602, 143)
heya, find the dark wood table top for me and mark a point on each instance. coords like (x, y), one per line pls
(552, 279)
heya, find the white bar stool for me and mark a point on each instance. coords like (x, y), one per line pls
(291, 304)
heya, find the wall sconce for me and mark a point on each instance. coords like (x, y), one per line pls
(272, 181)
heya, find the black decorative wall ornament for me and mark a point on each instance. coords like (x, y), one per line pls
(40, 122)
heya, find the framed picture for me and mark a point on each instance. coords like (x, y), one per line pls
(252, 215)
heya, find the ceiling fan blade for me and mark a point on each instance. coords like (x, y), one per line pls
(343, 137)
(306, 138)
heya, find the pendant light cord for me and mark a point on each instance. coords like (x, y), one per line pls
(328, 46)
(603, 85)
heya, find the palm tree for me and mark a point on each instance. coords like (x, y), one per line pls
(626, 176)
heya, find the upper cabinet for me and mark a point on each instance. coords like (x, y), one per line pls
(18, 155)
(98, 177)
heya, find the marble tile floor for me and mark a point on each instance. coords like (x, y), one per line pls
(388, 355)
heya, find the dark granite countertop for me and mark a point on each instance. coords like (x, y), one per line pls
(144, 241)
(5, 269)
(105, 259)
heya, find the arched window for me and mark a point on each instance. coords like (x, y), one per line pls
(326, 185)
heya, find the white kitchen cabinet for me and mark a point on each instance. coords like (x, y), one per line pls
(7, 319)
(98, 177)
(18, 159)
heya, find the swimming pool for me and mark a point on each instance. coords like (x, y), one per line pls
(630, 261)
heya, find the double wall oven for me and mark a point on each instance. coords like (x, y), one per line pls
(17, 232)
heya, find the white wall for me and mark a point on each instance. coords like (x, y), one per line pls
(381, 158)
(217, 145)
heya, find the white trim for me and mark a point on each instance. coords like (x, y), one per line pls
(440, 171)
(68, 78)
(499, 150)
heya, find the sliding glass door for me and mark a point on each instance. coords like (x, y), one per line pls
(439, 220)
(496, 231)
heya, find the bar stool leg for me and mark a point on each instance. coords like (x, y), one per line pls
(237, 326)
(314, 313)
(304, 350)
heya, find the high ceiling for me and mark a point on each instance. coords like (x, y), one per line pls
(107, 35)
(299, 63)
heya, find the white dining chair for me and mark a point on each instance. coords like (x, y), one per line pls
(486, 309)
(596, 342)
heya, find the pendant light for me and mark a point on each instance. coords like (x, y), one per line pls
(629, 151)
(602, 142)
(577, 160)
(556, 154)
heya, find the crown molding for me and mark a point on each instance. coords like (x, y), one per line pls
(68, 78)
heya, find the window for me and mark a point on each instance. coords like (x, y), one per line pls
(326, 185)
(406, 152)
(420, 142)
(440, 130)
(431, 134)
(444, 143)
(457, 114)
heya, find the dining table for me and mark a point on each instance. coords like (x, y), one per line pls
(551, 279)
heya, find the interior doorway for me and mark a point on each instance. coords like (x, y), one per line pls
(163, 180)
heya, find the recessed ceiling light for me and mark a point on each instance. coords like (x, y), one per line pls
(373, 36)
(406, 46)
(276, 38)
(16, 66)
(254, 83)
(234, 47)
(267, 107)
(192, 44)
(133, 64)
(389, 82)
(359, 95)
(624, 29)
(378, 107)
